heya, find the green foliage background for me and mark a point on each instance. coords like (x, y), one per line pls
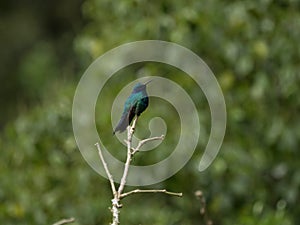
(251, 46)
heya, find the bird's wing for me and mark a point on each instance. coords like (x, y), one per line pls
(131, 113)
(129, 103)
(142, 105)
(130, 107)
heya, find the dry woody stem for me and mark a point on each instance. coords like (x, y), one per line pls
(150, 191)
(65, 221)
(118, 193)
(110, 177)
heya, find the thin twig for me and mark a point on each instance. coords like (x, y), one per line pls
(110, 177)
(65, 221)
(142, 142)
(150, 191)
(130, 131)
(203, 212)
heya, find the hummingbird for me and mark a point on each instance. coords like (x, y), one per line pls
(135, 104)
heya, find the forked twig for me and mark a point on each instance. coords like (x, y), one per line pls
(118, 194)
(142, 142)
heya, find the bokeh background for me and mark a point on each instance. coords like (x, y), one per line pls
(251, 46)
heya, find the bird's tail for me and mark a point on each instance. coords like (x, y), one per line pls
(122, 125)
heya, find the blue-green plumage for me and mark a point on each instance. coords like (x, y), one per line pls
(135, 104)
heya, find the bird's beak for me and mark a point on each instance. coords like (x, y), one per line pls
(148, 82)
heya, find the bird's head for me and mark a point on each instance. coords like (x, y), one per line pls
(140, 86)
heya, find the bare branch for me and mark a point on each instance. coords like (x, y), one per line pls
(142, 142)
(65, 221)
(115, 210)
(110, 177)
(130, 131)
(118, 195)
(150, 191)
